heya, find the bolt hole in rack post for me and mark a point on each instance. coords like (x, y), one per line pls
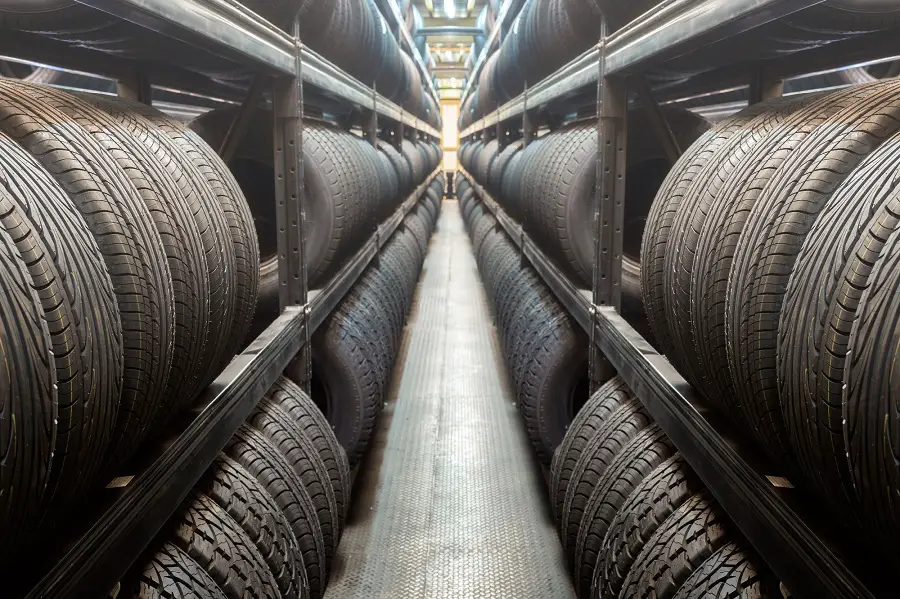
(97, 551)
(787, 529)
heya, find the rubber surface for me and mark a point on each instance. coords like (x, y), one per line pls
(206, 533)
(171, 574)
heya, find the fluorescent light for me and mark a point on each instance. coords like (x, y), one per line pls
(450, 8)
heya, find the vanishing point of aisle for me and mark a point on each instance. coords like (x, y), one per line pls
(450, 502)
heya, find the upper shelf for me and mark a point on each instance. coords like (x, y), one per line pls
(504, 17)
(223, 27)
(675, 29)
(324, 75)
(226, 28)
(396, 20)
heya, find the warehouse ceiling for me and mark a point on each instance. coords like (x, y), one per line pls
(449, 48)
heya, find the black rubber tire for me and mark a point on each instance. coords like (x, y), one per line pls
(347, 376)
(312, 423)
(410, 151)
(414, 225)
(705, 191)
(494, 181)
(554, 370)
(249, 504)
(132, 251)
(209, 536)
(716, 246)
(191, 170)
(649, 505)
(589, 421)
(265, 462)
(401, 167)
(370, 310)
(173, 217)
(687, 538)
(776, 227)
(831, 277)
(870, 401)
(78, 304)
(396, 278)
(731, 573)
(278, 427)
(338, 191)
(27, 392)
(346, 188)
(170, 573)
(655, 243)
(485, 158)
(242, 230)
(625, 422)
(634, 462)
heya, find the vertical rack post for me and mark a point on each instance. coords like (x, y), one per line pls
(763, 86)
(288, 151)
(241, 122)
(136, 86)
(658, 121)
(612, 106)
(527, 122)
(400, 133)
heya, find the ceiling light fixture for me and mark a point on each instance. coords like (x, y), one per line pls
(450, 8)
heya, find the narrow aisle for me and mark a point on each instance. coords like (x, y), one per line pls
(450, 502)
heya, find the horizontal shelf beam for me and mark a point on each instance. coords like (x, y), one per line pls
(99, 559)
(662, 34)
(220, 26)
(323, 302)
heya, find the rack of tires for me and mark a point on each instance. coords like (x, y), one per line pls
(755, 255)
(174, 425)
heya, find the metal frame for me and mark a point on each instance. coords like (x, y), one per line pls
(104, 547)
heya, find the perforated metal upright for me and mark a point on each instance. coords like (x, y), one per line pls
(609, 214)
(293, 291)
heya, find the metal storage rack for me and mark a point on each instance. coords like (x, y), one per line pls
(785, 530)
(133, 508)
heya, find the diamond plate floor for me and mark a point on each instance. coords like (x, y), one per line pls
(450, 502)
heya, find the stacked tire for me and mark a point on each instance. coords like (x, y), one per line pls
(350, 187)
(545, 351)
(634, 519)
(130, 275)
(354, 351)
(549, 188)
(544, 36)
(266, 518)
(768, 259)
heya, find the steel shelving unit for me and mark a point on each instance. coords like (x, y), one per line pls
(127, 515)
(785, 528)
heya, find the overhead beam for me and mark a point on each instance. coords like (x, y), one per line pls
(449, 30)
